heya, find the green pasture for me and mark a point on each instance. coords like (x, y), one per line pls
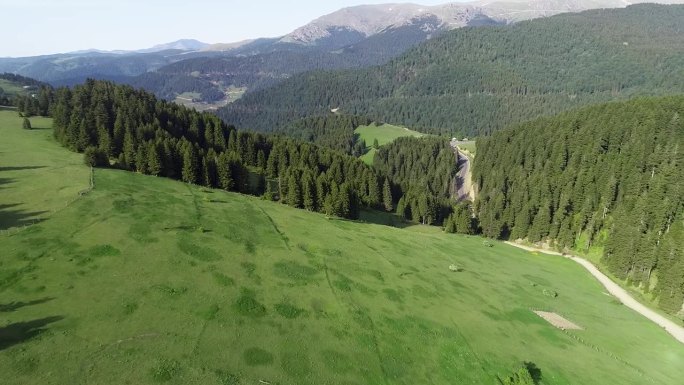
(37, 176)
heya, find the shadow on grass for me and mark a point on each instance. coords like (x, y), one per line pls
(10, 217)
(535, 372)
(383, 218)
(6, 181)
(10, 307)
(20, 168)
(20, 332)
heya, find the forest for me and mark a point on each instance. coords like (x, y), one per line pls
(332, 131)
(606, 178)
(117, 126)
(474, 81)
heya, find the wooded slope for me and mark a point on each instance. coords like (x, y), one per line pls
(608, 176)
(478, 80)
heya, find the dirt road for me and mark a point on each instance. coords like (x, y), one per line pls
(675, 330)
(462, 187)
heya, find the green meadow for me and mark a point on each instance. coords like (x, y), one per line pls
(146, 280)
(384, 133)
(37, 176)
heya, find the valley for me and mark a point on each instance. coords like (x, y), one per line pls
(462, 193)
(151, 284)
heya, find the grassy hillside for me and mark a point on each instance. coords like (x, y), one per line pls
(37, 177)
(146, 280)
(385, 133)
(474, 81)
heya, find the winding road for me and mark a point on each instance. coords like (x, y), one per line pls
(618, 292)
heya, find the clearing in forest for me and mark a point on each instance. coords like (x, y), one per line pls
(385, 133)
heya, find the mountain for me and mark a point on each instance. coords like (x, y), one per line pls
(182, 45)
(68, 69)
(362, 21)
(606, 180)
(354, 37)
(477, 80)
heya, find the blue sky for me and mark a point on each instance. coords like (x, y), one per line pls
(35, 27)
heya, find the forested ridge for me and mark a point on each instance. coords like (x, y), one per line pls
(607, 177)
(478, 80)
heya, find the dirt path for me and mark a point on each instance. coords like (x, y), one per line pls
(675, 330)
(462, 188)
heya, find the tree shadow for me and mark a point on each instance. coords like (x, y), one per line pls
(10, 217)
(38, 128)
(535, 372)
(20, 332)
(382, 218)
(6, 181)
(20, 168)
(10, 307)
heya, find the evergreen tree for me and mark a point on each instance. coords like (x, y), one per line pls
(387, 196)
(190, 165)
(294, 192)
(225, 179)
(26, 125)
(309, 195)
(154, 163)
(374, 193)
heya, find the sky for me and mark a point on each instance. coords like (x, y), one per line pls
(38, 27)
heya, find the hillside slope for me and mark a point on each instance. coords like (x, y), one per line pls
(147, 280)
(477, 80)
(607, 180)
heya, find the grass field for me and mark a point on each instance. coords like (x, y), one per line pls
(385, 133)
(37, 177)
(468, 147)
(11, 88)
(145, 280)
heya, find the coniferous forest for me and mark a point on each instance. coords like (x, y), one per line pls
(606, 177)
(474, 81)
(115, 125)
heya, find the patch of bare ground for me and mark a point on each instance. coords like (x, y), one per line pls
(557, 320)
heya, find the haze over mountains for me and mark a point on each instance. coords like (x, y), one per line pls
(353, 37)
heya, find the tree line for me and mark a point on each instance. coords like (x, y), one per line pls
(608, 178)
(118, 126)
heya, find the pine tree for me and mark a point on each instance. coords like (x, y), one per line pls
(225, 179)
(26, 124)
(154, 164)
(190, 165)
(141, 159)
(374, 193)
(387, 196)
(309, 192)
(294, 192)
(261, 160)
(129, 149)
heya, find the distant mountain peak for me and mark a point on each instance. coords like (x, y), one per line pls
(182, 44)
